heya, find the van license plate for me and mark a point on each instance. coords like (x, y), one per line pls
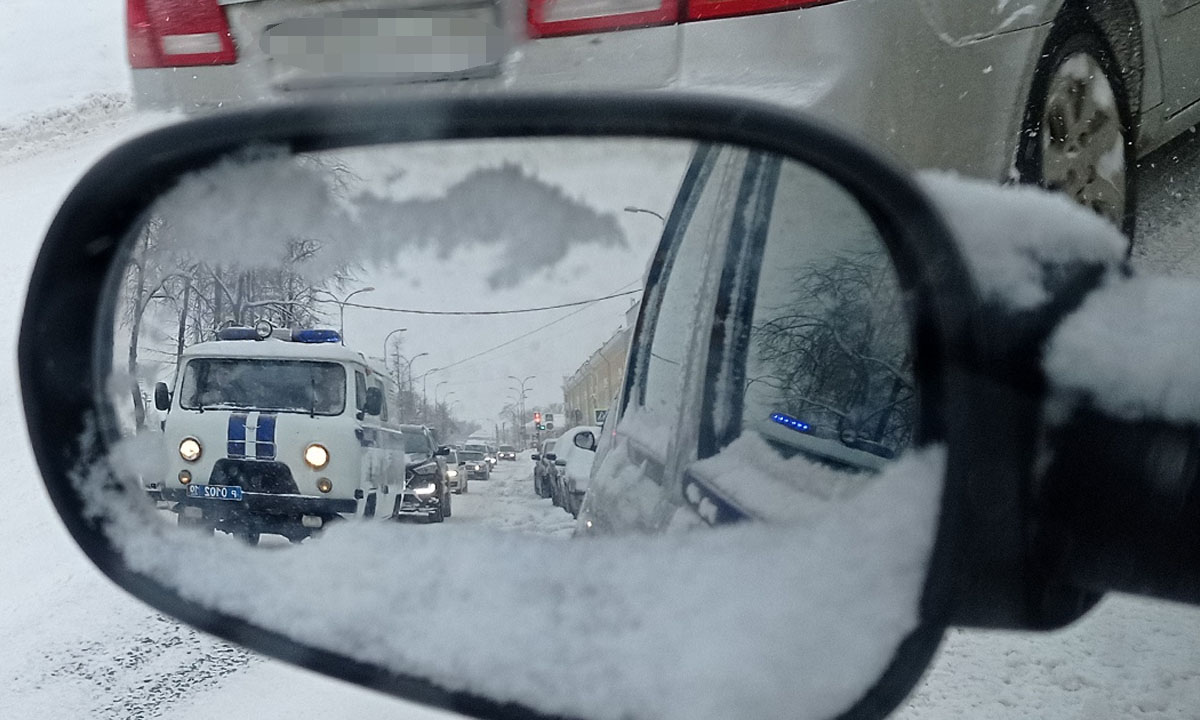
(215, 492)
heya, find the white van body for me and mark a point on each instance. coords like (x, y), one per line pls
(255, 407)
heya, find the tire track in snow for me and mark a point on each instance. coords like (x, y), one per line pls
(141, 676)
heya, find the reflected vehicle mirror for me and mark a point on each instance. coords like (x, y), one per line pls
(788, 345)
(535, 457)
(441, 451)
(585, 440)
(560, 463)
(162, 396)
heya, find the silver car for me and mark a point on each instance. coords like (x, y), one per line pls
(1065, 93)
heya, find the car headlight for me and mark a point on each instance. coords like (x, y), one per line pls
(316, 456)
(189, 449)
(425, 489)
(451, 473)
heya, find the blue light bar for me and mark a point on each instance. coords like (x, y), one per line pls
(789, 421)
(237, 333)
(316, 336)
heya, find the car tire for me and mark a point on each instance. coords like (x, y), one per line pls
(446, 509)
(1077, 113)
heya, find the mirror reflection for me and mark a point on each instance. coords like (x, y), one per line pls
(416, 371)
(443, 330)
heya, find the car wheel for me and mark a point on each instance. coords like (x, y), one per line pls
(439, 515)
(446, 506)
(1076, 137)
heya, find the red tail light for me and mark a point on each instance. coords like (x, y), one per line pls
(708, 9)
(177, 33)
(574, 17)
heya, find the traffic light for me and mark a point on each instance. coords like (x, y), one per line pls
(541, 426)
(537, 419)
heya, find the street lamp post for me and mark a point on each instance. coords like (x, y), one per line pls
(522, 392)
(408, 372)
(635, 210)
(385, 342)
(342, 309)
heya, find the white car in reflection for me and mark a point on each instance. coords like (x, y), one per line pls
(575, 451)
(1062, 92)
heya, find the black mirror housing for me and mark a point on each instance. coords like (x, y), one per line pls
(585, 441)
(442, 451)
(65, 306)
(162, 396)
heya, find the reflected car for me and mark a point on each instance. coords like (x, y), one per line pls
(474, 464)
(544, 469)
(426, 490)
(1063, 93)
(456, 476)
(573, 462)
(506, 452)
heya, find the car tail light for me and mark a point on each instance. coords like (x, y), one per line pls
(710, 9)
(177, 33)
(574, 17)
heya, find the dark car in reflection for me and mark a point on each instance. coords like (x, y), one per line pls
(426, 490)
(473, 462)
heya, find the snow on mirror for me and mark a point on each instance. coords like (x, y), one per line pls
(389, 402)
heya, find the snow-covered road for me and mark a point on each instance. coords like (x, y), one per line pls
(73, 646)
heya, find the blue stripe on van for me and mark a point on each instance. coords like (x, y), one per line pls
(264, 437)
(237, 435)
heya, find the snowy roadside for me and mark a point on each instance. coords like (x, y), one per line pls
(63, 127)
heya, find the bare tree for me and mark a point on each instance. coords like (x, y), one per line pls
(837, 351)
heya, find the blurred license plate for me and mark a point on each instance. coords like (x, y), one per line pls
(387, 46)
(215, 492)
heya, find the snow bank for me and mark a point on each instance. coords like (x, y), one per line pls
(708, 624)
(1131, 348)
(1015, 239)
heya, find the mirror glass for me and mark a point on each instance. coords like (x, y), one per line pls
(360, 352)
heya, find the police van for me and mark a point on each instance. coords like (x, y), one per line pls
(280, 431)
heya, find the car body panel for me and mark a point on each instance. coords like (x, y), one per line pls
(855, 63)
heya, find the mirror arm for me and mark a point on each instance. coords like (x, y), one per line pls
(1121, 507)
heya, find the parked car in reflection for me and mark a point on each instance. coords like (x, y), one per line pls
(573, 464)
(544, 469)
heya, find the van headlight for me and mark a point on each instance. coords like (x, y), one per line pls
(451, 473)
(425, 489)
(189, 449)
(316, 456)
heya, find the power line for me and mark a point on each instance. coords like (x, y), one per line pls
(409, 311)
(522, 336)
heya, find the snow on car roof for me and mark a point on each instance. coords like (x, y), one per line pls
(274, 348)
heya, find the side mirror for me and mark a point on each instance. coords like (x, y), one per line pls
(535, 457)
(884, 554)
(374, 403)
(162, 396)
(586, 441)
(560, 463)
(442, 451)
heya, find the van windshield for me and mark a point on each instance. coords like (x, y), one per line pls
(318, 388)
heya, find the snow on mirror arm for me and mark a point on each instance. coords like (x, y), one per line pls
(314, 355)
